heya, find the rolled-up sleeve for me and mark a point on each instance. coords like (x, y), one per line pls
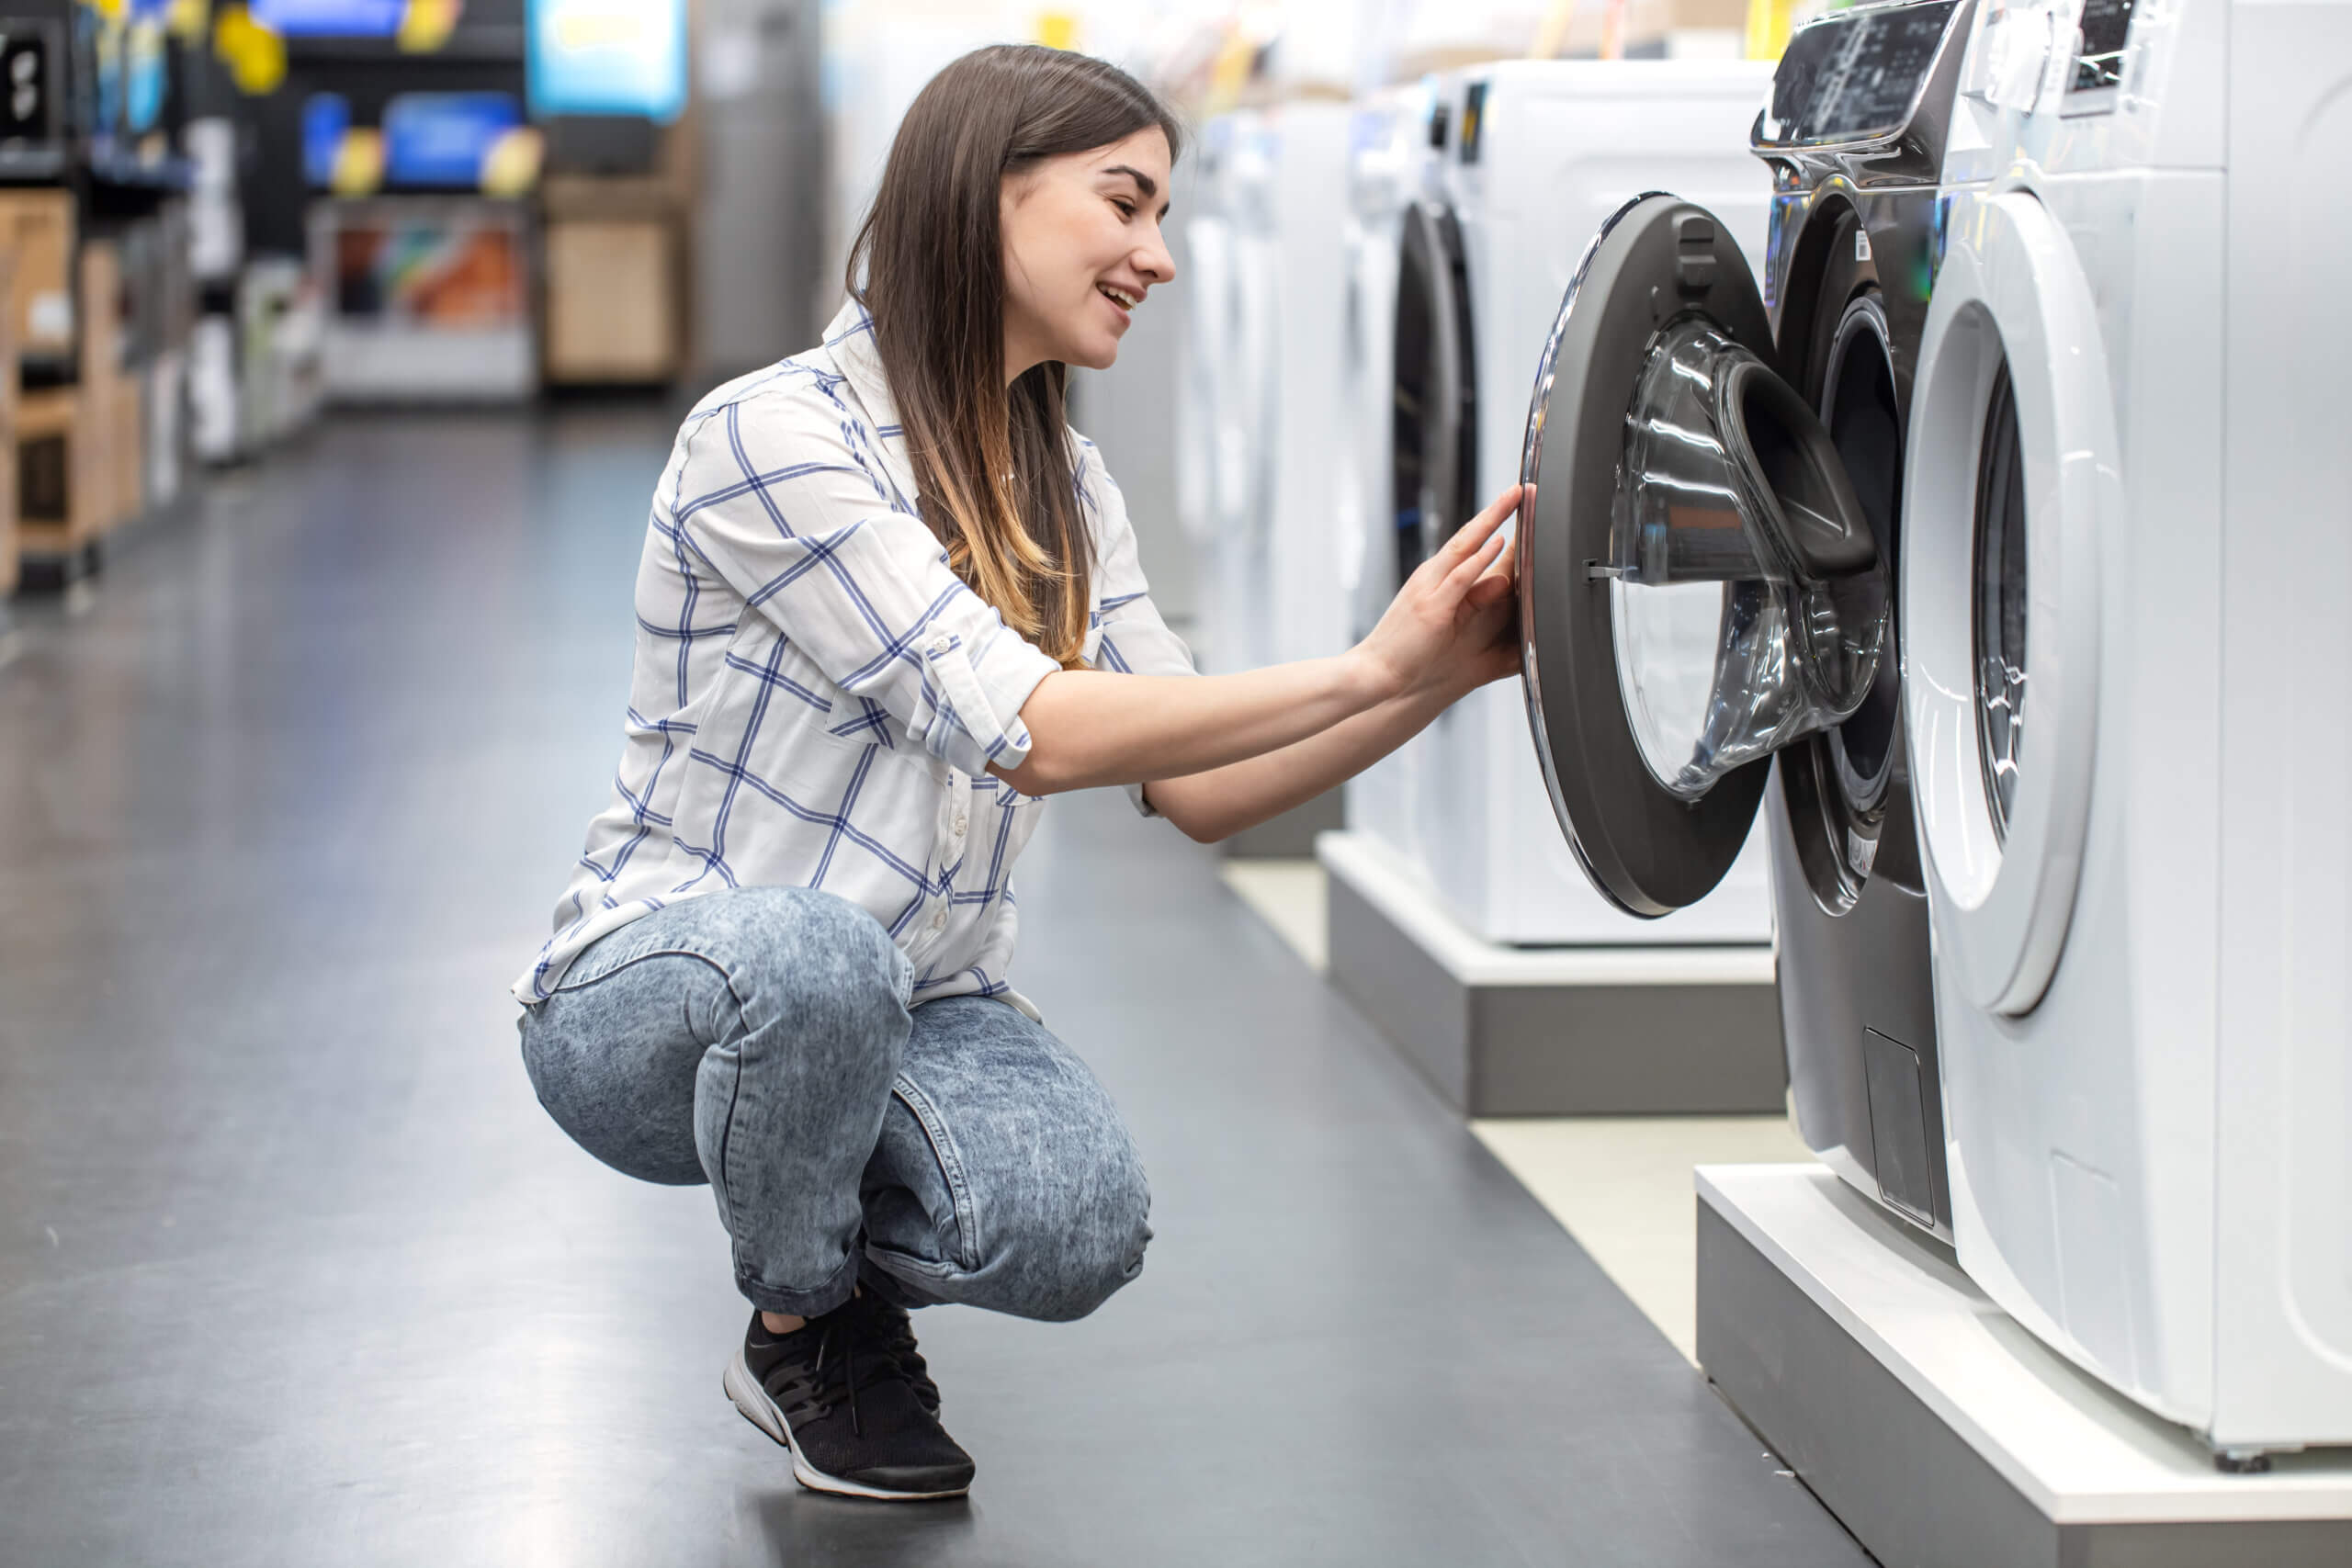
(1130, 637)
(786, 499)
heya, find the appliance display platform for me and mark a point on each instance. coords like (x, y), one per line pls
(1940, 1432)
(1554, 1030)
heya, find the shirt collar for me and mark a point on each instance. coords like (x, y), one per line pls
(849, 339)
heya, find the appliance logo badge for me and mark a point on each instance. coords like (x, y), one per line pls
(1474, 121)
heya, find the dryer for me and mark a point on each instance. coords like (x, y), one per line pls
(2127, 537)
(1540, 152)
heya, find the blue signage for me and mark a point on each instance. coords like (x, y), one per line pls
(607, 56)
(330, 18)
(443, 139)
(325, 117)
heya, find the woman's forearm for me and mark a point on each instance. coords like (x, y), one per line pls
(1223, 801)
(1089, 728)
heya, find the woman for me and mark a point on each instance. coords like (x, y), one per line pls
(889, 602)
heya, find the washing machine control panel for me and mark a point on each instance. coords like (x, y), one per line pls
(1857, 75)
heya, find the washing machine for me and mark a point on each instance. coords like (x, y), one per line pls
(1540, 154)
(1856, 194)
(1391, 160)
(1267, 367)
(2126, 537)
(1203, 283)
(1232, 390)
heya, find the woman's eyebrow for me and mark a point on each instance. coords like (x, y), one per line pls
(1144, 183)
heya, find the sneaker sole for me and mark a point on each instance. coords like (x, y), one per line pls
(748, 1397)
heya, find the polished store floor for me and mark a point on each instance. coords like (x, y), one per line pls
(293, 1270)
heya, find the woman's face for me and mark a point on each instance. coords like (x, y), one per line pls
(1081, 250)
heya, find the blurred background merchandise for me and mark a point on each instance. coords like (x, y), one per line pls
(218, 218)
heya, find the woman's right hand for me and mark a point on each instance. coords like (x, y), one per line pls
(1441, 627)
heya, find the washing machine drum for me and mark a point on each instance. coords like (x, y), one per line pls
(1699, 582)
(1434, 433)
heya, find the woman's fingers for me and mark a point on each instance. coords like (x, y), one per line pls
(1473, 567)
(1475, 533)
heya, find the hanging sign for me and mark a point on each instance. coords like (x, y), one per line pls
(607, 56)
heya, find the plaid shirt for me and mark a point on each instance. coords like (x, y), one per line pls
(817, 698)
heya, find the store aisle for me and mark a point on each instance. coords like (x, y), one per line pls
(293, 1269)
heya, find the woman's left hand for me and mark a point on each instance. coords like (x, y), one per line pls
(1488, 649)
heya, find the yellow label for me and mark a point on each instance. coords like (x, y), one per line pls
(1057, 29)
(1768, 23)
(186, 19)
(254, 55)
(426, 24)
(512, 165)
(358, 162)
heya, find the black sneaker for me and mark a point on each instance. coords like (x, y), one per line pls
(895, 1331)
(848, 1393)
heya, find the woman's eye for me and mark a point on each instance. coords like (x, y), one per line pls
(1127, 209)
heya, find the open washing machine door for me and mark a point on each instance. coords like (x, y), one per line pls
(1699, 583)
(1433, 439)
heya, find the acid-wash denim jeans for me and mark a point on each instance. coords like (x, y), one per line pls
(760, 1039)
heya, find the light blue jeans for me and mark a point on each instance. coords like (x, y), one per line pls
(761, 1040)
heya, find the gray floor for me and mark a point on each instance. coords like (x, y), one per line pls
(293, 1270)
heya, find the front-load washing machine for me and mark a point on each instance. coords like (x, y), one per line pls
(1232, 384)
(1203, 285)
(1265, 371)
(1856, 199)
(1540, 152)
(1390, 159)
(2127, 540)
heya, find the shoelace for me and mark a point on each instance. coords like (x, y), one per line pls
(899, 1343)
(859, 1327)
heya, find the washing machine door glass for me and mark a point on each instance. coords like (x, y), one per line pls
(1433, 432)
(1699, 583)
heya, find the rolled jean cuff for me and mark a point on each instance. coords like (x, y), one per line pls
(802, 1303)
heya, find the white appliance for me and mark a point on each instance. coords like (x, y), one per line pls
(2125, 646)
(1272, 392)
(1391, 162)
(1539, 154)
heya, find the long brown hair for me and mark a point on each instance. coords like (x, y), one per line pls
(932, 265)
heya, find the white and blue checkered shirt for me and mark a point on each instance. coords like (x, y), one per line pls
(817, 697)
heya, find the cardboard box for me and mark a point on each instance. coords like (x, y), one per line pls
(612, 291)
(63, 496)
(125, 481)
(102, 326)
(36, 225)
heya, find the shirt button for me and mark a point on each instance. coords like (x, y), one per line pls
(939, 920)
(962, 823)
(938, 645)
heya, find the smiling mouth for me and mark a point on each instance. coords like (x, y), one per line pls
(1126, 302)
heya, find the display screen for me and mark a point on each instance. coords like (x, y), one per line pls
(2107, 27)
(330, 18)
(607, 56)
(1855, 76)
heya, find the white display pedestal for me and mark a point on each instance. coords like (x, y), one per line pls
(1554, 1030)
(1937, 1430)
